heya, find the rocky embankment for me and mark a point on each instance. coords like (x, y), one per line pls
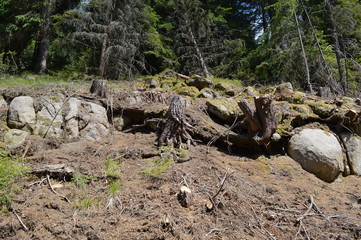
(322, 134)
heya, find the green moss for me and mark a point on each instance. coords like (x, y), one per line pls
(225, 109)
(302, 108)
(189, 91)
(295, 97)
(321, 108)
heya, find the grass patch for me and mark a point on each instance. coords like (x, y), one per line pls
(12, 168)
(235, 82)
(161, 165)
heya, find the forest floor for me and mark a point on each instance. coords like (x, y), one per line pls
(113, 195)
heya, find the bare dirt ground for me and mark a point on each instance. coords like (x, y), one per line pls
(263, 198)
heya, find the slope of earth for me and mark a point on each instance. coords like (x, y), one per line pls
(113, 197)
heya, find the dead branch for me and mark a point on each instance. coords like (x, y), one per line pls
(55, 192)
(20, 221)
(310, 207)
(181, 76)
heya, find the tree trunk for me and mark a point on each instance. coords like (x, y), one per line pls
(330, 79)
(198, 51)
(103, 56)
(41, 51)
(262, 119)
(338, 52)
(303, 54)
(99, 87)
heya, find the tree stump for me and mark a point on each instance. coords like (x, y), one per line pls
(184, 196)
(262, 119)
(99, 87)
(176, 128)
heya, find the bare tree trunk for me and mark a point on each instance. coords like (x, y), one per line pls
(303, 54)
(41, 52)
(198, 51)
(332, 83)
(103, 56)
(338, 52)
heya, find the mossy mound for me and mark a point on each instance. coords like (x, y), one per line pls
(188, 91)
(225, 109)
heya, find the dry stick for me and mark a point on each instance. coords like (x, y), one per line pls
(20, 221)
(55, 192)
(312, 204)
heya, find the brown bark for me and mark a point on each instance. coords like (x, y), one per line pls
(262, 119)
(251, 116)
(175, 129)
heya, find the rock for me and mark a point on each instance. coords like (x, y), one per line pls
(199, 82)
(152, 83)
(250, 91)
(285, 87)
(21, 113)
(71, 121)
(228, 88)
(294, 97)
(120, 122)
(321, 108)
(3, 103)
(188, 91)
(15, 138)
(84, 119)
(208, 93)
(353, 147)
(225, 109)
(49, 119)
(318, 152)
(324, 92)
(93, 121)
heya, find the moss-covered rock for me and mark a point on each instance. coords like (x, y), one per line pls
(209, 93)
(225, 109)
(302, 109)
(228, 88)
(188, 91)
(15, 138)
(321, 108)
(294, 97)
(199, 82)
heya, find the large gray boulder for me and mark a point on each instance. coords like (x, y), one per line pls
(318, 152)
(49, 119)
(353, 146)
(84, 120)
(21, 113)
(93, 123)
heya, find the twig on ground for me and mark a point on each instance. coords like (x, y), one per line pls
(20, 221)
(38, 182)
(55, 192)
(312, 205)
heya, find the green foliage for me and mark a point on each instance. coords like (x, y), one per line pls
(81, 180)
(161, 165)
(113, 167)
(11, 169)
(84, 203)
(114, 188)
